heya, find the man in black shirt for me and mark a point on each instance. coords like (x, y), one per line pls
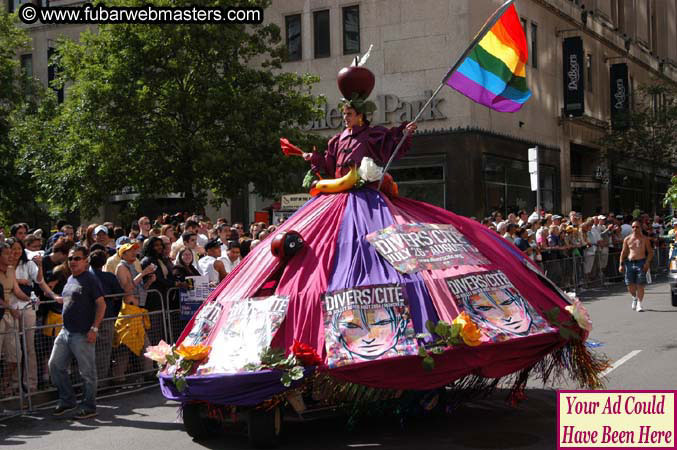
(114, 293)
(83, 311)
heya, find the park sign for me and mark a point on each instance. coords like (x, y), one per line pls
(389, 108)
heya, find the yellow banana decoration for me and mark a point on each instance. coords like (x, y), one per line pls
(335, 185)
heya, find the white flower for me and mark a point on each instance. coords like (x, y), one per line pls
(369, 171)
(580, 314)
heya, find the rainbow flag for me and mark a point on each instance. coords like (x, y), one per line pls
(494, 74)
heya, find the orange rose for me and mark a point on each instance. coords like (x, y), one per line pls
(193, 352)
(470, 333)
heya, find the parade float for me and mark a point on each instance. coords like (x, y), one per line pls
(364, 297)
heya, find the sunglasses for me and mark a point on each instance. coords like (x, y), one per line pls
(75, 258)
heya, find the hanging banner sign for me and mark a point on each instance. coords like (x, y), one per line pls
(191, 299)
(619, 95)
(496, 306)
(574, 92)
(413, 247)
(367, 323)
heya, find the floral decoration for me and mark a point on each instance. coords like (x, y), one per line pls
(369, 171)
(580, 315)
(193, 352)
(159, 352)
(470, 332)
(177, 361)
(462, 330)
(300, 356)
(305, 354)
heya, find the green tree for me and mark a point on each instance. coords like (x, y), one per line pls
(651, 132)
(18, 198)
(155, 109)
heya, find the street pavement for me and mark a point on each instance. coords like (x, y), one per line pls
(645, 345)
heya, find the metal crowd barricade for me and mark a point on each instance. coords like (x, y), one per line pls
(173, 308)
(117, 360)
(11, 337)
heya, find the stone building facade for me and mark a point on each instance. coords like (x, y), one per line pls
(466, 157)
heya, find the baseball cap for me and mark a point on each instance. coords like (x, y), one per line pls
(127, 247)
(101, 228)
(556, 217)
(212, 243)
(601, 217)
(122, 240)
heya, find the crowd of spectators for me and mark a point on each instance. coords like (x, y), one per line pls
(139, 265)
(551, 239)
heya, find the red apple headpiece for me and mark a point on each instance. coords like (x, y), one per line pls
(356, 83)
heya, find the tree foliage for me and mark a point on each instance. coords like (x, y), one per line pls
(155, 109)
(651, 133)
(18, 94)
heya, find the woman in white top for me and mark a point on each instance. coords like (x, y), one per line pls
(28, 275)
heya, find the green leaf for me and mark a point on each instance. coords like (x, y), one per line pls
(552, 314)
(296, 373)
(285, 379)
(422, 352)
(567, 334)
(186, 365)
(171, 360)
(442, 329)
(437, 350)
(180, 383)
(422, 335)
(430, 326)
(428, 363)
(455, 330)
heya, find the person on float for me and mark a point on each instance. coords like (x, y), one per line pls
(359, 139)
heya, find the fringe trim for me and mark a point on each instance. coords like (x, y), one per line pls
(573, 359)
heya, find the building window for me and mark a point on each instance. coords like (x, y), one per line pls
(508, 188)
(293, 28)
(27, 71)
(421, 178)
(13, 5)
(27, 65)
(321, 33)
(52, 74)
(588, 72)
(534, 45)
(351, 30)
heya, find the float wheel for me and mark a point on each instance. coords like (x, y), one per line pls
(197, 422)
(265, 427)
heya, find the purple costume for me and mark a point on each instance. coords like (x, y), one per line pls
(350, 146)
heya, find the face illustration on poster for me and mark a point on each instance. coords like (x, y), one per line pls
(505, 309)
(369, 334)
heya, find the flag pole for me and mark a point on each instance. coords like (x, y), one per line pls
(491, 21)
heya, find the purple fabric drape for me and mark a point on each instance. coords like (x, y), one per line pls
(358, 264)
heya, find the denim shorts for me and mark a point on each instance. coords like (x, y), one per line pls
(634, 273)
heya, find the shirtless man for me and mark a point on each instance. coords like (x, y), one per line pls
(637, 249)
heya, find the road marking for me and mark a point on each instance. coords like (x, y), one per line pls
(620, 361)
(364, 445)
